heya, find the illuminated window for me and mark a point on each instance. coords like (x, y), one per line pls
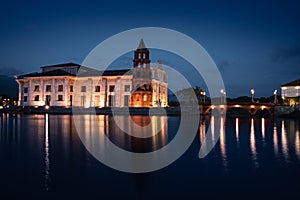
(60, 88)
(36, 88)
(25, 89)
(97, 88)
(60, 97)
(83, 88)
(36, 97)
(127, 88)
(48, 88)
(25, 98)
(71, 88)
(145, 98)
(111, 88)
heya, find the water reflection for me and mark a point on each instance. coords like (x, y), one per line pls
(284, 142)
(94, 129)
(47, 153)
(263, 128)
(275, 139)
(253, 143)
(237, 126)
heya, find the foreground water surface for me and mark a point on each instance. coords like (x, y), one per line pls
(42, 156)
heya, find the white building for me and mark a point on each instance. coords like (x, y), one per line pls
(61, 85)
(290, 92)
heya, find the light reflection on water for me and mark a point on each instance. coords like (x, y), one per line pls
(51, 141)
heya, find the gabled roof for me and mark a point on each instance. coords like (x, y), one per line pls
(82, 72)
(293, 83)
(57, 72)
(142, 44)
(63, 65)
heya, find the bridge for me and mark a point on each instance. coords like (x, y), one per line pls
(251, 108)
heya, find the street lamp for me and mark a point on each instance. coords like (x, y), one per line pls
(223, 95)
(252, 95)
(275, 97)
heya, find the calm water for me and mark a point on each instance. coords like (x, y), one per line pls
(41, 156)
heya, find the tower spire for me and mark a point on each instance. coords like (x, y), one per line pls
(142, 44)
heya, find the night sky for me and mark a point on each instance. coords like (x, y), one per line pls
(254, 44)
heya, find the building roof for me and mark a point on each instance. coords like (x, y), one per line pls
(293, 83)
(142, 44)
(57, 72)
(63, 65)
(82, 72)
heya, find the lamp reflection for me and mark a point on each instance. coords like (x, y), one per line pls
(263, 128)
(297, 144)
(223, 142)
(253, 143)
(284, 143)
(275, 139)
(47, 159)
(237, 129)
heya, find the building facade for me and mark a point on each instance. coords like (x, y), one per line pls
(290, 93)
(70, 84)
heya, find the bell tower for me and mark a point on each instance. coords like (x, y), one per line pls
(141, 94)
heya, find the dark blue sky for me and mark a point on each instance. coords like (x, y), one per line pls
(254, 44)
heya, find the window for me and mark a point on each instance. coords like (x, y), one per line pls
(144, 55)
(48, 99)
(126, 100)
(83, 88)
(97, 88)
(111, 88)
(71, 88)
(25, 89)
(139, 55)
(48, 88)
(144, 65)
(145, 98)
(60, 88)
(36, 97)
(71, 99)
(127, 88)
(36, 88)
(25, 98)
(60, 97)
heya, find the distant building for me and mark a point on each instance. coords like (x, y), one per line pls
(290, 93)
(60, 85)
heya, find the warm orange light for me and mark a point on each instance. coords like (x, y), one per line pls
(263, 107)
(252, 106)
(283, 88)
(237, 106)
(47, 107)
(212, 107)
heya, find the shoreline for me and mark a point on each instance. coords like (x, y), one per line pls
(157, 111)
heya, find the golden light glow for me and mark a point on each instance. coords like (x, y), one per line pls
(252, 106)
(284, 88)
(237, 106)
(212, 107)
(47, 107)
(297, 87)
(263, 107)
